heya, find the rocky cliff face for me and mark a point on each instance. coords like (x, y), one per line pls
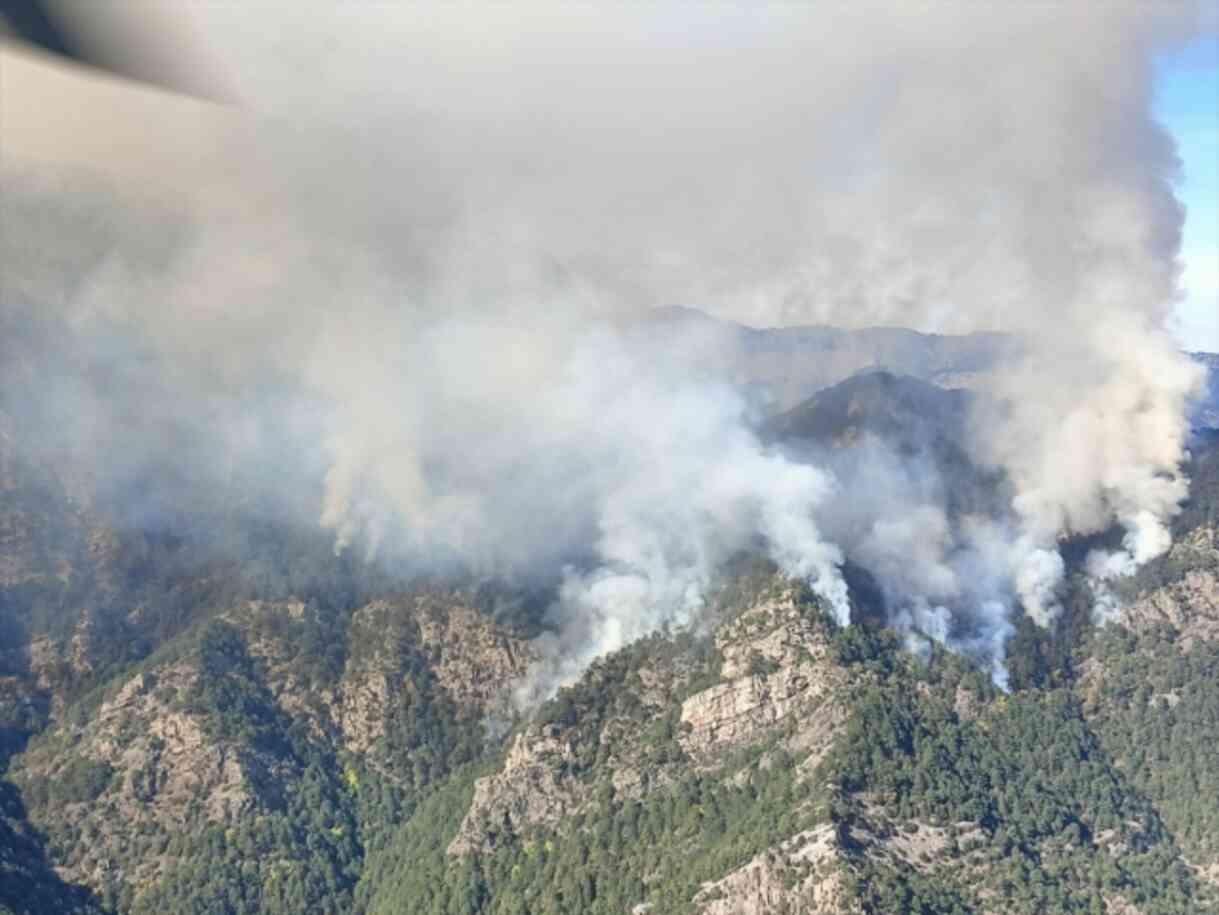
(143, 765)
(149, 767)
(288, 754)
(780, 766)
(776, 681)
(1148, 687)
(803, 873)
(1189, 601)
(465, 655)
(787, 708)
(533, 788)
(776, 668)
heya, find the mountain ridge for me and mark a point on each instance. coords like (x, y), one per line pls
(786, 365)
(273, 729)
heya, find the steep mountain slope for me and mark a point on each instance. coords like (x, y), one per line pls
(923, 427)
(802, 769)
(909, 413)
(1150, 686)
(28, 884)
(249, 762)
(784, 766)
(784, 366)
(243, 723)
(174, 707)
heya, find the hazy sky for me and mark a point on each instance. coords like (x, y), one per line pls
(1188, 103)
(65, 114)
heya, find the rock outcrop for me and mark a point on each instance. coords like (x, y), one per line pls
(777, 680)
(465, 654)
(776, 668)
(149, 762)
(531, 789)
(802, 874)
(143, 765)
(1190, 602)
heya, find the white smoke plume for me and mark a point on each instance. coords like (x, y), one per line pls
(610, 447)
(434, 226)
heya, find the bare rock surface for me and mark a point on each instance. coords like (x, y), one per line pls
(531, 789)
(1190, 604)
(467, 655)
(776, 667)
(471, 657)
(151, 766)
(802, 874)
(777, 679)
(154, 768)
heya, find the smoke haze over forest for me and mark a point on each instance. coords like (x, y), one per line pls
(408, 298)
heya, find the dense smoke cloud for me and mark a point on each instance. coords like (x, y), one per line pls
(435, 224)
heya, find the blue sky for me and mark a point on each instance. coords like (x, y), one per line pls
(1188, 104)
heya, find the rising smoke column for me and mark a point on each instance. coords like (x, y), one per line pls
(1092, 423)
(955, 167)
(604, 458)
(439, 218)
